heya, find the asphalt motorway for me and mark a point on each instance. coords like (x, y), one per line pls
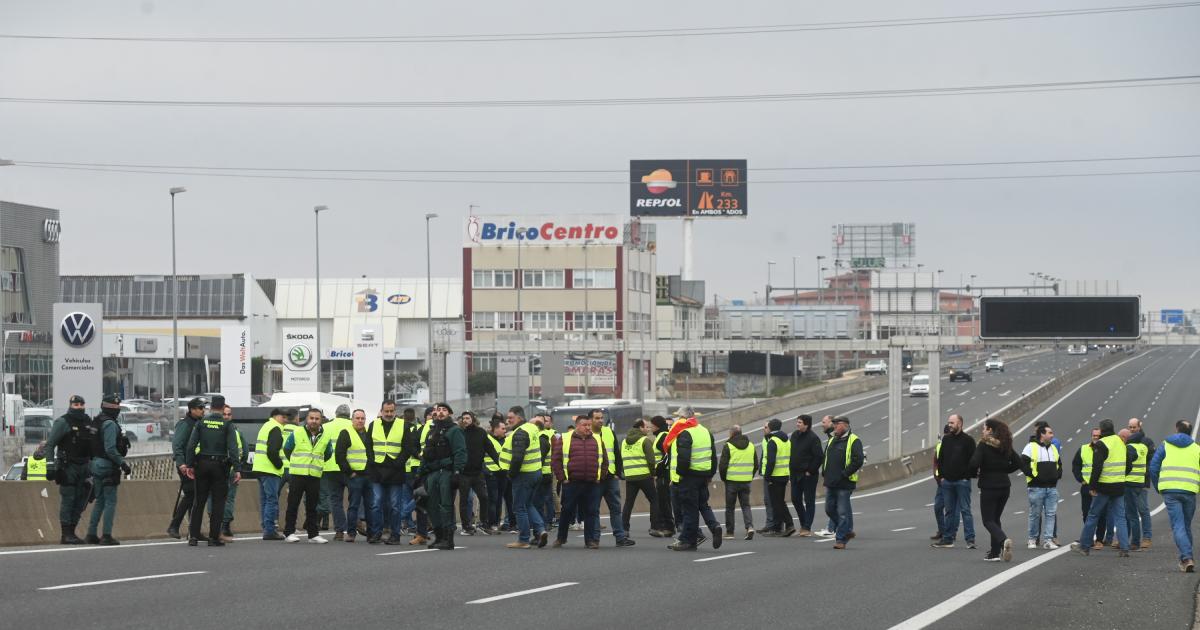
(888, 575)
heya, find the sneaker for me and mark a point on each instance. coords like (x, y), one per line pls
(1137, 547)
(339, 536)
(718, 536)
(971, 544)
(1032, 544)
(519, 545)
(1080, 549)
(1006, 553)
(943, 544)
(173, 532)
(593, 544)
(825, 533)
(91, 539)
(318, 540)
(226, 538)
(215, 543)
(109, 541)
(544, 539)
(467, 532)
(292, 538)
(1050, 545)
(728, 535)
(192, 542)
(679, 546)
(626, 542)
(937, 536)
(787, 533)
(576, 527)
(839, 545)
(1189, 566)
(1122, 554)
(349, 537)
(991, 558)
(654, 533)
(1055, 541)
(804, 533)
(272, 536)
(1116, 544)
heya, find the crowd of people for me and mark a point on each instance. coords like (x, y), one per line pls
(400, 476)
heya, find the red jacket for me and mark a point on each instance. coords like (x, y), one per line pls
(586, 457)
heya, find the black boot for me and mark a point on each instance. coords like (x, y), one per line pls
(92, 539)
(109, 541)
(447, 541)
(68, 535)
(437, 538)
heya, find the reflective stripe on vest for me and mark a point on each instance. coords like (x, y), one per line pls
(549, 435)
(633, 457)
(262, 462)
(1114, 466)
(660, 453)
(356, 455)
(610, 444)
(414, 462)
(289, 429)
(1180, 468)
(783, 457)
(702, 450)
(566, 452)
(491, 464)
(741, 463)
(1033, 468)
(387, 443)
(1086, 455)
(334, 429)
(308, 459)
(849, 448)
(35, 469)
(532, 462)
(1137, 472)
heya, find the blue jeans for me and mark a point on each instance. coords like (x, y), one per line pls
(407, 505)
(1042, 501)
(1137, 513)
(385, 500)
(360, 492)
(688, 493)
(268, 501)
(837, 508)
(542, 499)
(581, 497)
(333, 486)
(939, 509)
(524, 486)
(612, 496)
(1181, 507)
(1113, 509)
(957, 498)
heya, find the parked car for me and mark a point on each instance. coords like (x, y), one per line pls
(919, 385)
(37, 423)
(875, 367)
(1077, 349)
(994, 363)
(140, 427)
(961, 372)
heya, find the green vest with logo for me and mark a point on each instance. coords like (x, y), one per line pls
(741, 463)
(35, 468)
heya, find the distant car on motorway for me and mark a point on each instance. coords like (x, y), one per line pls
(906, 361)
(994, 363)
(875, 367)
(1077, 349)
(919, 385)
(961, 372)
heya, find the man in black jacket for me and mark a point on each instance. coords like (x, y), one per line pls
(662, 480)
(1107, 487)
(843, 459)
(692, 486)
(954, 478)
(1042, 463)
(353, 452)
(776, 468)
(1137, 512)
(392, 446)
(1103, 529)
(805, 472)
(471, 479)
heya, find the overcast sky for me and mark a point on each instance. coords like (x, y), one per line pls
(1140, 230)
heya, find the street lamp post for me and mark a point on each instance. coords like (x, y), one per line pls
(175, 306)
(429, 216)
(795, 291)
(820, 294)
(317, 210)
(767, 294)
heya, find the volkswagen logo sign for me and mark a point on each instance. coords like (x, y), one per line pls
(300, 355)
(77, 329)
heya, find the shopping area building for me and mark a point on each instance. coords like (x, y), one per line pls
(29, 258)
(573, 277)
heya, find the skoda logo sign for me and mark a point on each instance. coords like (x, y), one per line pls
(77, 329)
(300, 355)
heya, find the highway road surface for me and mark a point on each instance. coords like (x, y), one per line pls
(888, 576)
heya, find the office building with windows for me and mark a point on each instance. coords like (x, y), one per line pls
(29, 236)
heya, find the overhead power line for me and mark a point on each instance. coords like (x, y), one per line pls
(422, 180)
(755, 29)
(574, 171)
(1007, 88)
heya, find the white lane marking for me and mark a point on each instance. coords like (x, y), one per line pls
(965, 392)
(722, 557)
(896, 510)
(401, 553)
(128, 579)
(868, 425)
(830, 539)
(928, 505)
(1005, 392)
(903, 529)
(540, 589)
(123, 545)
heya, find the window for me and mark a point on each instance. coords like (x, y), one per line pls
(14, 299)
(542, 279)
(594, 279)
(545, 320)
(492, 279)
(595, 321)
(483, 362)
(492, 320)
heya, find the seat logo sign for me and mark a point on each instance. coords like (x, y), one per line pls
(300, 355)
(77, 329)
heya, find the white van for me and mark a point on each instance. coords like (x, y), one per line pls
(919, 385)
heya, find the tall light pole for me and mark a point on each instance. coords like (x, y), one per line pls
(795, 290)
(175, 307)
(429, 216)
(767, 293)
(317, 210)
(820, 295)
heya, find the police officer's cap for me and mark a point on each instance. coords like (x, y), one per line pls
(77, 399)
(111, 399)
(196, 403)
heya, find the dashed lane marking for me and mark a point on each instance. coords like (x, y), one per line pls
(540, 589)
(724, 556)
(118, 580)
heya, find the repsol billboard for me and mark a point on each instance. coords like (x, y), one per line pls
(687, 188)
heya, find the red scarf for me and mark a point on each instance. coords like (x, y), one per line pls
(677, 428)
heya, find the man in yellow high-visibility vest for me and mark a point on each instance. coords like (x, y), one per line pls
(739, 463)
(1175, 473)
(1111, 462)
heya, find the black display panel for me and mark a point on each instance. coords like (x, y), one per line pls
(1060, 317)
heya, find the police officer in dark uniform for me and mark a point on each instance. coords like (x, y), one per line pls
(185, 499)
(442, 461)
(109, 448)
(72, 434)
(211, 457)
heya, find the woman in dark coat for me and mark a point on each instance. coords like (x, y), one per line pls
(994, 460)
